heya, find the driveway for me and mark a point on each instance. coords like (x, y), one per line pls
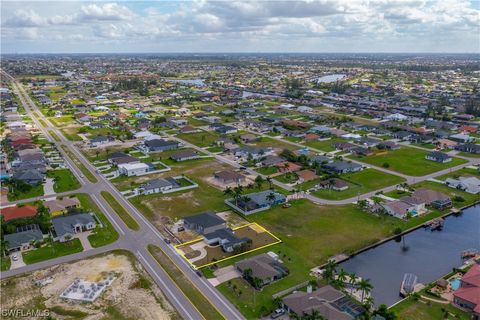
(200, 246)
(48, 187)
(83, 237)
(224, 274)
(19, 263)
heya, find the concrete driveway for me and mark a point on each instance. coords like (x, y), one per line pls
(83, 237)
(19, 263)
(48, 187)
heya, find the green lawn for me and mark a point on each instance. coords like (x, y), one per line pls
(56, 250)
(464, 172)
(451, 192)
(409, 161)
(35, 191)
(324, 145)
(200, 139)
(311, 234)
(410, 309)
(5, 263)
(267, 170)
(195, 296)
(54, 135)
(64, 180)
(120, 210)
(359, 183)
(101, 236)
(71, 136)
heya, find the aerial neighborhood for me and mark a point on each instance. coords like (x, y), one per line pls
(276, 187)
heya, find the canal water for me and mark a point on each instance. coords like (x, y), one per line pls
(427, 254)
(331, 78)
(195, 82)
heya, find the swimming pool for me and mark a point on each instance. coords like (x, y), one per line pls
(455, 283)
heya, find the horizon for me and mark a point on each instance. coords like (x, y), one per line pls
(387, 26)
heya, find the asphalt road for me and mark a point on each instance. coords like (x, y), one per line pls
(133, 241)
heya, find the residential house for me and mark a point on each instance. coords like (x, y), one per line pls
(159, 185)
(468, 295)
(184, 155)
(204, 223)
(438, 156)
(248, 138)
(255, 202)
(287, 166)
(264, 267)
(118, 158)
(251, 151)
(60, 206)
(271, 160)
(98, 141)
(467, 184)
(133, 169)
(433, 198)
(158, 145)
(326, 301)
(229, 176)
(399, 208)
(10, 213)
(343, 167)
(33, 177)
(23, 238)
(462, 138)
(306, 175)
(446, 144)
(66, 226)
(469, 147)
(333, 184)
(388, 145)
(319, 159)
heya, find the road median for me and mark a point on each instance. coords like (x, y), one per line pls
(89, 175)
(195, 296)
(120, 210)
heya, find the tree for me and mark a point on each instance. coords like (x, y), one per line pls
(352, 281)
(259, 181)
(329, 270)
(385, 312)
(365, 286)
(270, 182)
(228, 192)
(342, 276)
(271, 198)
(237, 193)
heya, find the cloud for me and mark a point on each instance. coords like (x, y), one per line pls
(106, 12)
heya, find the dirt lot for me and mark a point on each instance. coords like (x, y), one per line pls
(132, 295)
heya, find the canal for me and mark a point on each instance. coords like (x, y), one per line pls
(425, 253)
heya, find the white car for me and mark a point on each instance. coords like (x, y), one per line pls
(14, 257)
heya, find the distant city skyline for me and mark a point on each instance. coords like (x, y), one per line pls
(407, 26)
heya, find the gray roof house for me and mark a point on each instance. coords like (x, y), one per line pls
(184, 155)
(256, 202)
(22, 239)
(343, 167)
(438, 156)
(263, 267)
(324, 300)
(204, 223)
(226, 238)
(68, 225)
(467, 184)
(156, 145)
(159, 185)
(31, 176)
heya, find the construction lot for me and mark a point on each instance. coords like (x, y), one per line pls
(132, 295)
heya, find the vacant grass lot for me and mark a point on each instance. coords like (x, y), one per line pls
(200, 139)
(409, 161)
(359, 183)
(64, 180)
(184, 284)
(56, 250)
(120, 210)
(311, 234)
(100, 236)
(324, 145)
(71, 134)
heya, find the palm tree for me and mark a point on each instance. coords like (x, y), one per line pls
(237, 193)
(352, 281)
(228, 192)
(365, 286)
(342, 276)
(271, 197)
(259, 181)
(329, 270)
(269, 180)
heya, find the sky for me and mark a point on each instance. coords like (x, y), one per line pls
(240, 26)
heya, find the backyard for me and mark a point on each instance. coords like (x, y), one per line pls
(412, 309)
(408, 161)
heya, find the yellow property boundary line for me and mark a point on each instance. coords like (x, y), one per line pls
(176, 266)
(180, 252)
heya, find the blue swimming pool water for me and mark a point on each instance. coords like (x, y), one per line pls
(455, 283)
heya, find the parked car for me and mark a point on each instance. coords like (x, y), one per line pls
(277, 313)
(14, 257)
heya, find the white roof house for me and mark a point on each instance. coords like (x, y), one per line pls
(133, 169)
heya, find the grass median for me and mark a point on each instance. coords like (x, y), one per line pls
(80, 165)
(54, 135)
(120, 210)
(184, 284)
